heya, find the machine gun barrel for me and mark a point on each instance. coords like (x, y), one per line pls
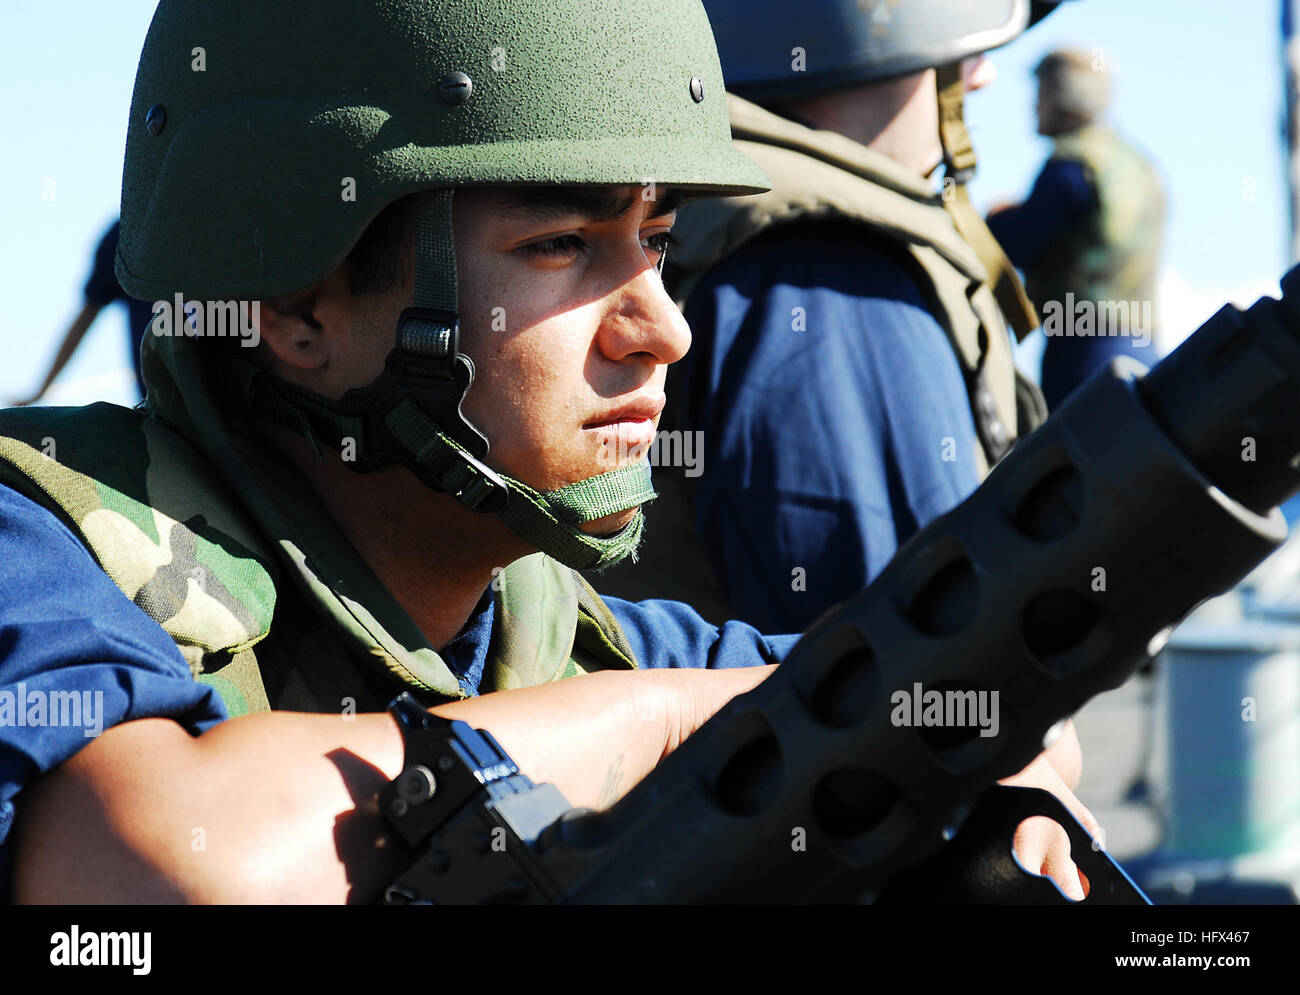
(1050, 584)
(1054, 581)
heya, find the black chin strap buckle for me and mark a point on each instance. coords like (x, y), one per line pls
(428, 340)
(427, 366)
(476, 485)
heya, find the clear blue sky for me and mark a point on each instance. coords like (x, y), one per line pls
(1198, 86)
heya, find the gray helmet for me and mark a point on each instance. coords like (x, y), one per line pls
(773, 51)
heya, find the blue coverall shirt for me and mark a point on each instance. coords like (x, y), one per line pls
(835, 417)
(72, 647)
(66, 629)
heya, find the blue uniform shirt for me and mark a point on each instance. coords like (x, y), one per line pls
(76, 657)
(836, 421)
(66, 631)
(1061, 199)
(661, 634)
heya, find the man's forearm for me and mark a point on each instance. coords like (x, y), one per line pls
(245, 813)
(280, 807)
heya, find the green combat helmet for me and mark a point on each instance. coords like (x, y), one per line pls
(265, 137)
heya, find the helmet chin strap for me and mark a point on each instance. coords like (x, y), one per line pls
(411, 415)
(959, 166)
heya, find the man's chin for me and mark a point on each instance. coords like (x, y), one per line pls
(609, 524)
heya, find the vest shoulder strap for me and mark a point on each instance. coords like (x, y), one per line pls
(550, 624)
(600, 639)
(821, 175)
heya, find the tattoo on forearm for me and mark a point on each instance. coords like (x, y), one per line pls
(614, 777)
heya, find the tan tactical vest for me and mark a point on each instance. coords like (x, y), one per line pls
(822, 175)
(242, 566)
(1113, 256)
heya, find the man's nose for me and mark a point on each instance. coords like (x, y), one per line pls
(643, 319)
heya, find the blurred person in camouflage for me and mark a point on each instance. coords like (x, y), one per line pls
(1088, 236)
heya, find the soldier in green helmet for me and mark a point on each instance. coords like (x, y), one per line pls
(442, 226)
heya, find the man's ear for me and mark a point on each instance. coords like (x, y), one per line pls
(291, 331)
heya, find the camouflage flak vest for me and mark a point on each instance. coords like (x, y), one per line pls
(820, 175)
(289, 618)
(1113, 255)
